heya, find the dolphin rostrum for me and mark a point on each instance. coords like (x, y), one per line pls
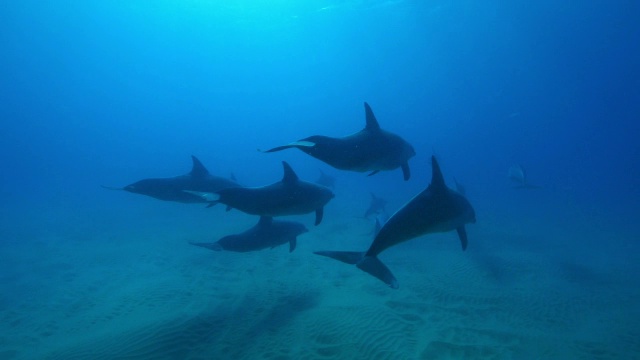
(173, 188)
(435, 209)
(267, 233)
(371, 149)
(290, 196)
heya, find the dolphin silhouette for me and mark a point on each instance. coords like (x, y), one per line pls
(370, 150)
(326, 180)
(518, 177)
(290, 196)
(173, 188)
(435, 209)
(376, 206)
(267, 233)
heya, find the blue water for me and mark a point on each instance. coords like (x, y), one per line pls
(107, 93)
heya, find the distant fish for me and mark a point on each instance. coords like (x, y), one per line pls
(376, 206)
(371, 149)
(267, 233)
(326, 180)
(289, 196)
(435, 209)
(518, 177)
(173, 188)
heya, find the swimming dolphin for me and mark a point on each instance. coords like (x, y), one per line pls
(435, 209)
(267, 233)
(172, 189)
(376, 206)
(326, 180)
(518, 177)
(290, 196)
(371, 149)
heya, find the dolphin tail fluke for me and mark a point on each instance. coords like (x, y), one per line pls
(375, 267)
(211, 246)
(347, 257)
(295, 144)
(369, 264)
(278, 148)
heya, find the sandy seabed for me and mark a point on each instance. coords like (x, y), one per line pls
(147, 294)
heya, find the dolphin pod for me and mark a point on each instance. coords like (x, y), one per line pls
(372, 149)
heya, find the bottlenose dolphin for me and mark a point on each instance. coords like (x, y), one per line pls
(267, 233)
(376, 206)
(326, 180)
(173, 189)
(435, 209)
(371, 149)
(290, 196)
(518, 177)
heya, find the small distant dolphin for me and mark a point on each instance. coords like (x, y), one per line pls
(267, 233)
(459, 187)
(290, 196)
(173, 189)
(326, 180)
(435, 209)
(518, 177)
(376, 206)
(371, 149)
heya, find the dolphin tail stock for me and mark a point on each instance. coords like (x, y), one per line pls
(295, 144)
(111, 187)
(369, 264)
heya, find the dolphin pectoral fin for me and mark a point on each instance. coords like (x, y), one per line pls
(375, 267)
(462, 234)
(292, 244)
(111, 187)
(373, 172)
(347, 257)
(406, 172)
(211, 246)
(227, 209)
(319, 215)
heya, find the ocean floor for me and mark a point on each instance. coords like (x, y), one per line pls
(142, 292)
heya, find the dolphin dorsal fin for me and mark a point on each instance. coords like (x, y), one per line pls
(437, 181)
(198, 170)
(265, 220)
(372, 123)
(289, 175)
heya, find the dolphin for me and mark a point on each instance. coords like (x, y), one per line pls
(518, 177)
(370, 150)
(326, 180)
(376, 206)
(267, 233)
(290, 196)
(172, 189)
(435, 209)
